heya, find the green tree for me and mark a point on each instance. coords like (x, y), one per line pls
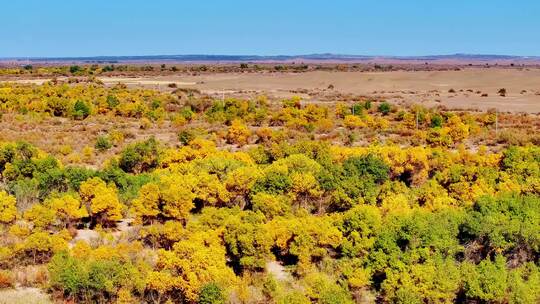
(74, 69)
(103, 143)
(80, 110)
(487, 281)
(211, 293)
(384, 108)
(140, 157)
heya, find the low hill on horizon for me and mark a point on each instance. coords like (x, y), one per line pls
(311, 58)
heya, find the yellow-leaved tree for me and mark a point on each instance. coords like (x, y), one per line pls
(353, 122)
(240, 181)
(238, 133)
(8, 208)
(458, 130)
(170, 198)
(62, 212)
(102, 201)
(190, 265)
(305, 189)
(40, 245)
(308, 237)
(68, 209)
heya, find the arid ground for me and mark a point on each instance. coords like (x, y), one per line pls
(467, 88)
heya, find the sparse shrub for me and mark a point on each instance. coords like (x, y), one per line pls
(367, 104)
(155, 104)
(116, 137)
(112, 101)
(145, 123)
(185, 136)
(88, 153)
(74, 158)
(238, 133)
(293, 102)
(436, 121)
(514, 138)
(325, 125)
(6, 279)
(187, 113)
(264, 134)
(177, 120)
(353, 122)
(107, 68)
(357, 109)
(103, 143)
(65, 149)
(57, 106)
(384, 108)
(80, 110)
(74, 69)
(502, 92)
(350, 138)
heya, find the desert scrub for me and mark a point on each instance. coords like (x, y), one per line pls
(117, 137)
(81, 110)
(103, 143)
(88, 154)
(65, 150)
(384, 108)
(145, 123)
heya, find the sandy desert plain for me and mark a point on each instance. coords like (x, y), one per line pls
(465, 88)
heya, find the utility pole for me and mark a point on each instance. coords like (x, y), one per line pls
(223, 98)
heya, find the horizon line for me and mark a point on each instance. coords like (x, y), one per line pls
(284, 56)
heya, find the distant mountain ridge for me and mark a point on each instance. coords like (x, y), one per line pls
(324, 57)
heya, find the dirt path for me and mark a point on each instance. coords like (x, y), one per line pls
(123, 228)
(278, 271)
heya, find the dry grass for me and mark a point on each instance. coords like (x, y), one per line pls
(24, 296)
(67, 139)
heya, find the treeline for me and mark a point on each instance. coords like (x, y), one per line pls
(118, 68)
(160, 69)
(200, 224)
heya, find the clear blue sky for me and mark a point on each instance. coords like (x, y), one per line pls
(383, 27)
